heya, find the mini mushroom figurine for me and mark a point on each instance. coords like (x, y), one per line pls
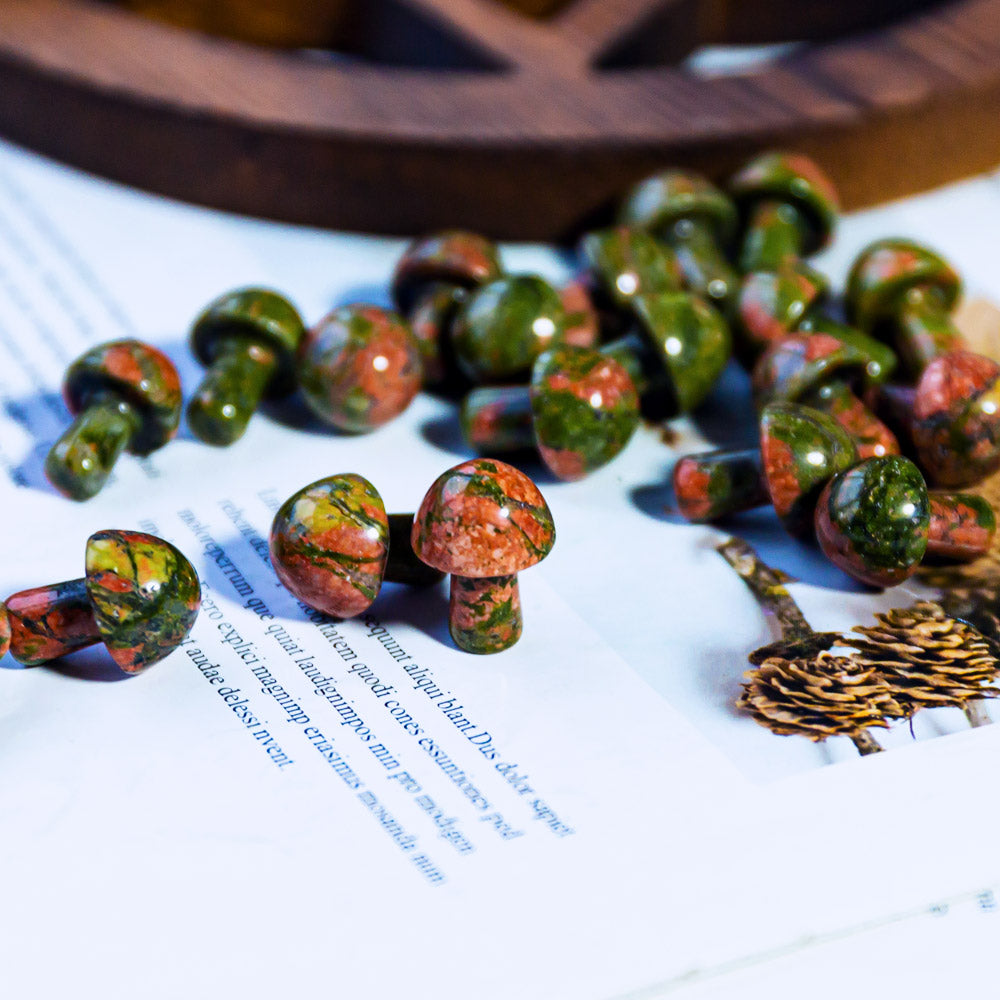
(789, 208)
(4, 630)
(125, 395)
(697, 221)
(332, 545)
(430, 282)
(674, 353)
(822, 371)
(800, 450)
(140, 597)
(359, 367)
(877, 521)
(502, 326)
(580, 410)
(483, 522)
(247, 339)
(583, 324)
(623, 264)
(902, 291)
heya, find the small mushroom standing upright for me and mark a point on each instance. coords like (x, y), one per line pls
(697, 220)
(125, 395)
(332, 546)
(483, 522)
(359, 367)
(580, 411)
(140, 597)
(431, 280)
(247, 339)
(789, 209)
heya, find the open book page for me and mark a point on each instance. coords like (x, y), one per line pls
(290, 801)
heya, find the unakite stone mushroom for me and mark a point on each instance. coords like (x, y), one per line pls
(823, 371)
(504, 325)
(800, 450)
(247, 339)
(580, 410)
(430, 282)
(904, 292)
(698, 222)
(4, 630)
(359, 367)
(789, 207)
(140, 597)
(125, 395)
(483, 522)
(332, 545)
(675, 352)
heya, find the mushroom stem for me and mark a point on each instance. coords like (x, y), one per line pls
(718, 484)
(79, 463)
(49, 622)
(498, 419)
(925, 330)
(403, 566)
(774, 236)
(485, 615)
(231, 390)
(705, 269)
(865, 743)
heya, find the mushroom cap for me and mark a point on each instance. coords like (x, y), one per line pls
(800, 363)
(452, 257)
(886, 270)
(431, 319)
(359, 367)
(801, 449)
(956, 418)
(691, 340)
(771, 304)
(882, 361)
(330, 544)
(4, 630)
(257, 315)
(505, 324)
(583, 324)
(872, 521)
(660, 201)
(585, 409)
(962, 526)
(138, 374)
(483, 518)
(793, 179)
(627, 262)
(145, 596)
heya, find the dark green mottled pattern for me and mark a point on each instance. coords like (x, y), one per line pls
(485, 614)
(880, 512)
(504, 325)
(777, 235)
(881, 361)
(586, 409)
(145, 595)
(716, 484)
(800, 363)
(79, 463)
(801, 449)
(627, 262)
(254, 316)
(692, 340)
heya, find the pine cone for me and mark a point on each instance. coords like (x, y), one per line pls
(927, 658)
(821, 696)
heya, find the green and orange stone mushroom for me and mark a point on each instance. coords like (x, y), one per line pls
(504, 325)
(140, 597)
(789, 209)
(877, 521)
(4, 630)
(903, 292)
(430, 282)
(483, 522)
(332, 545)
(125, 395)
(359, 367)
(697, 220)
(800, 450)
(247, 340)
(580, 410)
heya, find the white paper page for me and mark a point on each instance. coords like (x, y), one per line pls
(643, 831)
